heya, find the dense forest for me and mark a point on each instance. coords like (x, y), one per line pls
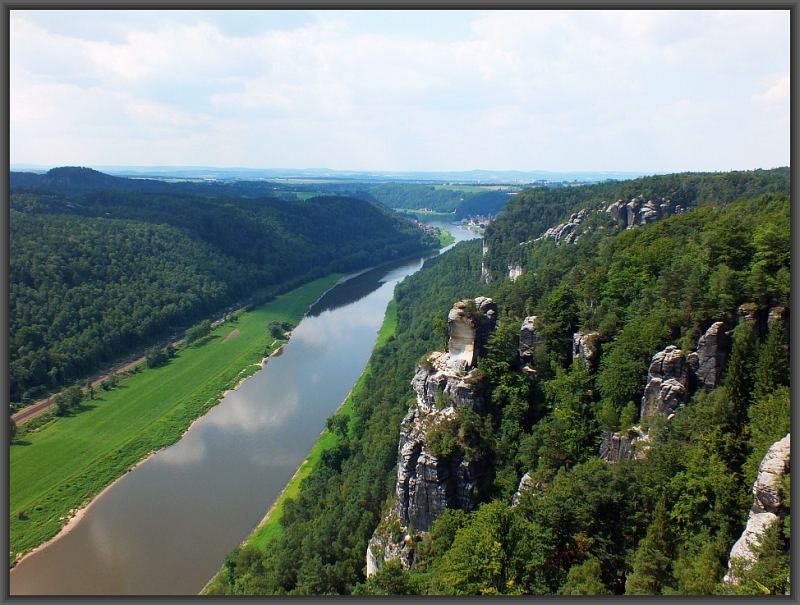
(411, 196)
(98, 274)
(462, 203)
(661, 523)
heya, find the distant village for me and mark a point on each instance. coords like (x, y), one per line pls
(478, 223)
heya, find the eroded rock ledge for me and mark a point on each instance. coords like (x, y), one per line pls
(768, 505)
(430, 481)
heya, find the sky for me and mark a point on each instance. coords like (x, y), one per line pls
(645, 91)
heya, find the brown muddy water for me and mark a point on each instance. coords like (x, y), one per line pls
(165, 527)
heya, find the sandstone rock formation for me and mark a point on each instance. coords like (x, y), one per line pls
(428, 483)
(670, 380)
(565, 231)
(485, 275)
(708, 361)
(622, 445)
(667, 383)
(767, 508)
(525, 484)
(514, 271)
(781, 313)
(586, 347)
(638, 212)
(529, 337)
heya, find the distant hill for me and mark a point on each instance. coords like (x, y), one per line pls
(376, 176)
(75, 180)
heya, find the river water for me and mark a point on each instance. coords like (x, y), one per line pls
(165, 527)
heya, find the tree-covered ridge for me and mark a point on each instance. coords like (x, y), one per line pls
(528, 214)
(417, 197)
(661, 525)
(95, 275)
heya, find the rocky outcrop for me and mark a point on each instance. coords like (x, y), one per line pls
(427, 482)
(514, 271)
(638, 212)
(525, 484)
(708, 362)
(623, 445)
(781, 313)
(565, 232)
(530, 337)
(768, 505)
(671, 378)
(485, 275)
(586, 347)
(667, 383)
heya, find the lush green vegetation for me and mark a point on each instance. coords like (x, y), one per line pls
(528, 214)
(661, 525)
(65, 463)
(462, 200)
(102, 274)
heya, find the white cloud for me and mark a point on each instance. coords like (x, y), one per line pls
(520, 89)
(776, 95)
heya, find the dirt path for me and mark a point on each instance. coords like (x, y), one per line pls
(233, 334)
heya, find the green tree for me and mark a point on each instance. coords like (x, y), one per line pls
(561, 320)
(441, 329)
(390, 579)
(651, 561)
(476, 563)
(772, 370)
(585, 579)
(740, 371)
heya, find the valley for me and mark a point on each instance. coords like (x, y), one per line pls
(563, 358)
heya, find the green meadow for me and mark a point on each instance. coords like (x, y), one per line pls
(60, 467)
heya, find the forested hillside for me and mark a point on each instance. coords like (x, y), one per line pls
(418, 197)
(531, 212)
(660, 522)
(97, 274)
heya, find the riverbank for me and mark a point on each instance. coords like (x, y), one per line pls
(62, 468)
(270, 526)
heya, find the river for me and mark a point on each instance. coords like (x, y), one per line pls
(165, 527)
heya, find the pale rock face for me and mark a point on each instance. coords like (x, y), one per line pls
(636, 212)
(667, 383)
(632, 212)
(623, 445)
(525, 484)
(708, 362)
(766, 489)
(649, 213)
(485, 275)
(586, 347)
(565, 231)
(427, 485)
(514, 271)
(617, 210)
(767, 504)
(745, 546)
(529, 337)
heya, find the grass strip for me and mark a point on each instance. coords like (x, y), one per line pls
(59, 468)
